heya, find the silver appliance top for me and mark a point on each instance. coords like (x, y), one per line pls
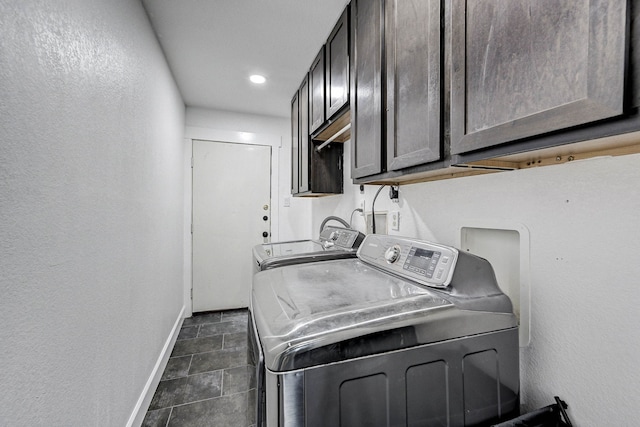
(334, 243)
(302, 312)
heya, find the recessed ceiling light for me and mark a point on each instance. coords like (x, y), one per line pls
(257, 79)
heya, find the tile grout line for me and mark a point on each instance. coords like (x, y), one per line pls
(189, 367)
(169, 417)
(233, 366)
(210, 398)
(222, 383)
(212, 351)
(241, 347)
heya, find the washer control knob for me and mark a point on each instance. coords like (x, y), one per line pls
(334, 235)
(392, 254)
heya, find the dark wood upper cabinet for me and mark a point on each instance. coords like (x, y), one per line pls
(295, 145)
(522, 68)
(634, 50)
(412, 37)
(313, 173)
(367, 42)
(439, 89)
(398, 124)
(337, 66)
(326, 170)
(322, 104)
(304, 138)
(317, 95)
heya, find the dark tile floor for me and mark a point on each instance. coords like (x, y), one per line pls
(207, 379)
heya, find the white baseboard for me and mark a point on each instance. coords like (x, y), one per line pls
(140, 410)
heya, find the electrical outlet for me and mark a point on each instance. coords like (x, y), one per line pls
(395, 220)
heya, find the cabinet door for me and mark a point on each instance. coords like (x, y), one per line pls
(337, 67)
(295, 142)
(305, 140)
(316, 85)
(412, 37)
(366, 87)
(526, 67)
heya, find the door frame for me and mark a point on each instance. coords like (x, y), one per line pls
(237, 137)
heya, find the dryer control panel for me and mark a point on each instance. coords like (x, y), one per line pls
(344, 238)
(427, 263)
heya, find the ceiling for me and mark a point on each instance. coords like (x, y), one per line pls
(212, 47)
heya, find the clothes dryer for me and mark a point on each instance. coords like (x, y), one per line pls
(409, 333)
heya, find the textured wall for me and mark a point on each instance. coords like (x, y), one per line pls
(584, 245)
(91, 210)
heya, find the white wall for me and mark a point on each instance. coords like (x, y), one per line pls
(584, 230)
(91, 210)
(292, 222)
(343, 205)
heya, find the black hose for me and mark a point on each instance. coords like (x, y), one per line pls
(373, 211)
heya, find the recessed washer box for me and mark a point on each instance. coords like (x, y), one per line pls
(506, 247)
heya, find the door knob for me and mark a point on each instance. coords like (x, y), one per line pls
(265, 234)
(264, 218)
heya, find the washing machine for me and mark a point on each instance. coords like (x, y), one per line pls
(333, 243)
(409, 333)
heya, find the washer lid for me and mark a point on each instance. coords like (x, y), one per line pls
(268, 251)
(334, 243)
(280, 249)
(272, 255)
(305, 297)
(312, 314)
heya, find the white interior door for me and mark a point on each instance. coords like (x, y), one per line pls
(231, 199)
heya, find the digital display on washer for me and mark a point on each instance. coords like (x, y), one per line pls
(422, 261)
